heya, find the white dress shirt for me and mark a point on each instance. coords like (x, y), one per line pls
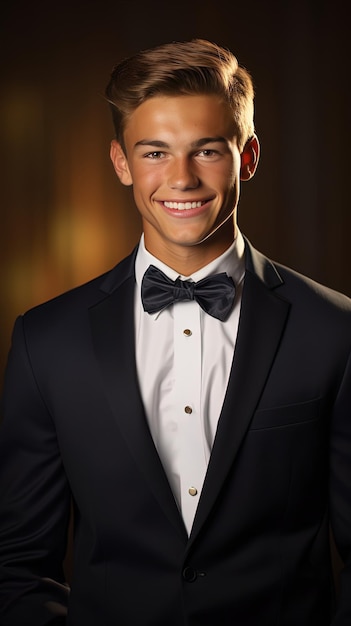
(184, 357)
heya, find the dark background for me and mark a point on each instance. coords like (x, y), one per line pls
(64, 216)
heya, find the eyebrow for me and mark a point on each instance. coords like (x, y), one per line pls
(155, 143)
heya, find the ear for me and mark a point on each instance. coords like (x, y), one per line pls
(249, 158)
(120, 163)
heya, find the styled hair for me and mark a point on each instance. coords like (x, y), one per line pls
(196, 67)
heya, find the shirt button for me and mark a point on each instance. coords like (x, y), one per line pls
(187, 332)
(188, 409)
(193, 491)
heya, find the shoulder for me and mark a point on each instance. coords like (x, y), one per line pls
(70, 308)
(300, 285)
(302, 292)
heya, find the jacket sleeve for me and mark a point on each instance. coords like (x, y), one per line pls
(34, 501)
(340, 493)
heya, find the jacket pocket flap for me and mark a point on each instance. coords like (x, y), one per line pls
(286, 415)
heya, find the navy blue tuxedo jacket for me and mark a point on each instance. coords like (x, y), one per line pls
(74, 429)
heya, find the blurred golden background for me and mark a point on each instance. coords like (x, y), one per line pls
(64, 216)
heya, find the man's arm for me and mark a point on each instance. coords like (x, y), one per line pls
(34, 500)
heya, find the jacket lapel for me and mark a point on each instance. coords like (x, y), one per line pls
(262, 321)
(112, 325)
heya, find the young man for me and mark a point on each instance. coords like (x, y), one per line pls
(194, 402)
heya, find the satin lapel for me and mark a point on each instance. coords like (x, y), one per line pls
(112, 324)
(262, 321)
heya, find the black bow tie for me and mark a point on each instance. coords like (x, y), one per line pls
(214, 294)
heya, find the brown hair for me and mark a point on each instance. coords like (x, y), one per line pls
(182, 68)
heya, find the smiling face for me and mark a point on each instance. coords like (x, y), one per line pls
(181, 157)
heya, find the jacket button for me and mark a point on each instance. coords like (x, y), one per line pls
(189, 574)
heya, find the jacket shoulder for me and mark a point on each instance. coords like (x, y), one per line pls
(88, 293)
(300, 290)
(70, 309)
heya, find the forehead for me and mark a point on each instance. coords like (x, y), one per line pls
(180, 116)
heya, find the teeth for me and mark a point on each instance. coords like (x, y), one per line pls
(183, 206)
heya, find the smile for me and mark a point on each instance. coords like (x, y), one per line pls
(183, 206)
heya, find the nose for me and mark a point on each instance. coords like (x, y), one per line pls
(182, 175)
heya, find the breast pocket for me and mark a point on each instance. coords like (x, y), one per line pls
(287, 415)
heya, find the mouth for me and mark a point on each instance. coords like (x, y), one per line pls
(184, 206)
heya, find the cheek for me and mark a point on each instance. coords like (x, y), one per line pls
(145, 186)
(228, 182)
(226, 176)
(145, 181)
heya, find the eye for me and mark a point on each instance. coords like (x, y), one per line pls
(208, 153)
(156, 154)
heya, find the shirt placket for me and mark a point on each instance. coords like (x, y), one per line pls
(191, 460)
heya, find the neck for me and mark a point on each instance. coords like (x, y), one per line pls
(186, 260)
